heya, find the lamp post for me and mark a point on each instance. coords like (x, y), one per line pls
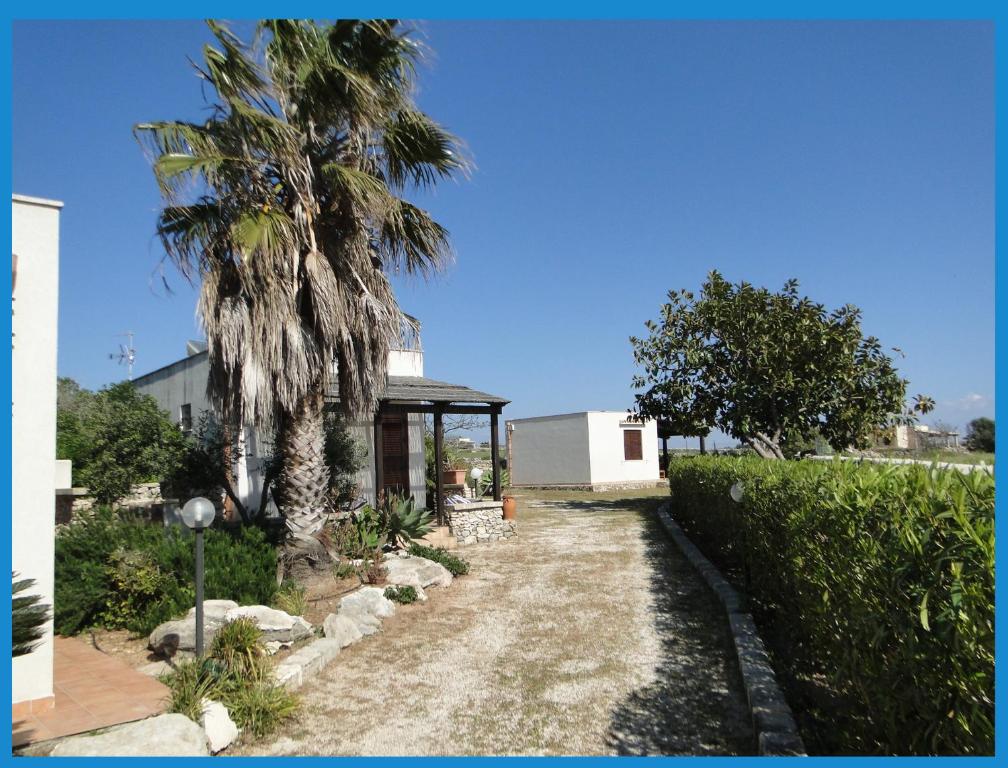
(197, 514)
(737, 493)
(475, 473)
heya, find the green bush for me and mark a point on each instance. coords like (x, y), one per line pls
(881, 576)
(291, 598)
(236, 674)
(455, 565)
(402, 594)
(112, 570)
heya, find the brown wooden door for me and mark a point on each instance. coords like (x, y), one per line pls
(395, 454)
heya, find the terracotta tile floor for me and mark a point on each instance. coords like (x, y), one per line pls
(92, 690)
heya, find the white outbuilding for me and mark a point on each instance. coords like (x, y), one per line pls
(598, 450)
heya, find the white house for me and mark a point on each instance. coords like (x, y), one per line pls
(590, 449)
(397, 427)
(35, 283)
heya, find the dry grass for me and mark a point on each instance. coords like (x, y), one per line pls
(586, 634)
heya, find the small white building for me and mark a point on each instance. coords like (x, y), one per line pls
(35, 277)
(590, 449)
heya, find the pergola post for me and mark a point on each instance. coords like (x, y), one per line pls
(379, 451)
(438, 461)
(495, 453)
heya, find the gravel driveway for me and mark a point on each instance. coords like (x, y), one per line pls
(586, 634)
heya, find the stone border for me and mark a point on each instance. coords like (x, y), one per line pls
(774, 725)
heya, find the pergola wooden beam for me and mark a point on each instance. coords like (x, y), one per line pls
(438, 458)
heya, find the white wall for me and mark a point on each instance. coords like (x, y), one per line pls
(35, 241)
(605, 436)
(550, 450)
(182, 382)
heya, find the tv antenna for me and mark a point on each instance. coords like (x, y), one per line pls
(126, 354)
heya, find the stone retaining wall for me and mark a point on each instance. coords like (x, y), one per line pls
(479, 521)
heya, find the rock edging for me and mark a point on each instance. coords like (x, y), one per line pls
(773, 723)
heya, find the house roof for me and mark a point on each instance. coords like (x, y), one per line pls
(413, 389)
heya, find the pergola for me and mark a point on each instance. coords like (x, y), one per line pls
(416, 394)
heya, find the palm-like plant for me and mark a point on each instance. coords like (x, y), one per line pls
(287, 204)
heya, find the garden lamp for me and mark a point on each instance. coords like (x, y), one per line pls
(197, 514)
(475, 473)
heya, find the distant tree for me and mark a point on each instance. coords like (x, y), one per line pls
(980, 435)
(769, 369)
(116, 438)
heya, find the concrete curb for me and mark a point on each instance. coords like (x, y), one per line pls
(774, 725)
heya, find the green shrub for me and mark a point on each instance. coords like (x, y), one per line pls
(237, 645)
(402, 594)
(291, 598)
(882, 576)
(136, 586)
(112, 570)
(237, 675)
(188, 684)
(260, 707)
(455, 565)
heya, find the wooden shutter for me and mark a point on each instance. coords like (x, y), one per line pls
(633, 450)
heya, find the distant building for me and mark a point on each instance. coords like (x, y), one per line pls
(590, 449)
(917, 437)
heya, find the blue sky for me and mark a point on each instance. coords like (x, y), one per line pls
(614, 161)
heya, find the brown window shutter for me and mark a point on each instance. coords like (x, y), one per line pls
(632, 448)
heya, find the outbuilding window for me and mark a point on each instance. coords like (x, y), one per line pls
(632, 446)
(185, 418)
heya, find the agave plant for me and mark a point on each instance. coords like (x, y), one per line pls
(404, 521)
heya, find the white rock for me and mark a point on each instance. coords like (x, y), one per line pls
(218, 725)
(417, 572)
(276, 625)
(288, 675)
(171, 735)
(341, 629)
(368, 600)
(155, 668)
(213, 610)
(365, 623)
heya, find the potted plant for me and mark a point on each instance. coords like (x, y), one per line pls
(454, 472)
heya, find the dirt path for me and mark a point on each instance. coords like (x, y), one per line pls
(587, 634)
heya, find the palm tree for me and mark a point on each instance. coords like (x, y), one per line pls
(286, 202)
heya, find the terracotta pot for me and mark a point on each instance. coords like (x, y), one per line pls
(510, 507)
(453, 476)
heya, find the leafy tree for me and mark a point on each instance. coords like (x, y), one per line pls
(980, 435)
(28, 619)
(287, 203)
(116, 438)
(768, 369)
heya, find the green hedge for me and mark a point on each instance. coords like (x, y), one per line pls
(882, 578)
(116, 572)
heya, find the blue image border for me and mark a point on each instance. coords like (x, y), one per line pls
(588, 9)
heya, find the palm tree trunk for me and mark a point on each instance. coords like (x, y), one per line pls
(304, 478)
